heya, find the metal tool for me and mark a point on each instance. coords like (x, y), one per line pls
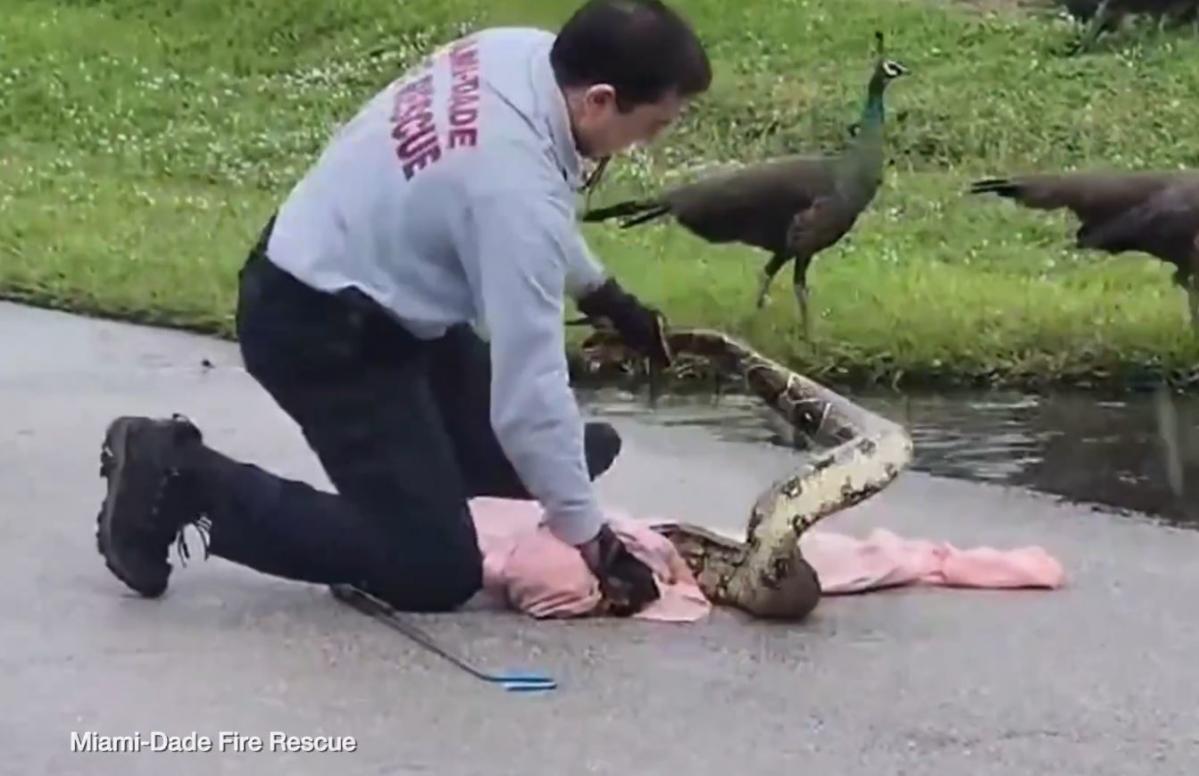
(512, 681)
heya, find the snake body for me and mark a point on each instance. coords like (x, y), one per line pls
(765, 573)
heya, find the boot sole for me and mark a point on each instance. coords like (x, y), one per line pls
(113, 455)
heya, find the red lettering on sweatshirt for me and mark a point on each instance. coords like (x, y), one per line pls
(414, 126)
(464, 94)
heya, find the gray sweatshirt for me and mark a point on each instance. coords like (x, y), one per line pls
(450, 197)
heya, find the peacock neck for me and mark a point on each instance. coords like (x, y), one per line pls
(873, 114)
(861, 166)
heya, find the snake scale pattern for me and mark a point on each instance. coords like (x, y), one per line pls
(765, 574)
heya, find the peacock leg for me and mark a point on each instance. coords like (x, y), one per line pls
(767, 275)
(800, 285)
(1193, 298)
(1192, 287)
(1190, 278)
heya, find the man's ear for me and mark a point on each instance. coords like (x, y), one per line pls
(599, 96)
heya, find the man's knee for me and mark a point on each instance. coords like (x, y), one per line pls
(460, 576)
(602, 444)
(426, 577)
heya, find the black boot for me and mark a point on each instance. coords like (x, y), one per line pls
(152, 495)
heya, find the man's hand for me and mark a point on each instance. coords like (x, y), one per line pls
(642, 328)
(627, 584)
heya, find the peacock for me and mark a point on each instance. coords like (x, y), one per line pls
(793, 206)
(1106, 15)
(1153, 212)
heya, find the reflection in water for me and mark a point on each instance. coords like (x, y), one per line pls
(1140, 453)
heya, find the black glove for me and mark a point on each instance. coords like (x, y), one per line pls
(626, 583)
(642, 328)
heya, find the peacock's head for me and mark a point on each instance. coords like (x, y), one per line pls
(885, 70)
(892, 69)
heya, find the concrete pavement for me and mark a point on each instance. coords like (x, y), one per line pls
(1100, 678)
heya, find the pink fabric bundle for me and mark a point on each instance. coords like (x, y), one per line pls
(845, 564)
(531, 571)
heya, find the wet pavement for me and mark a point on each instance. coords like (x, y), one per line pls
(1098, 678)
(1136, 452)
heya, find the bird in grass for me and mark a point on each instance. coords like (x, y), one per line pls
(1153, 212)
(793, 206)
(1107, 15)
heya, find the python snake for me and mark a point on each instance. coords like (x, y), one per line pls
(765, 573)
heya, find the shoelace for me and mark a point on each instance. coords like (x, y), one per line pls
(202, 524)
(203, 527)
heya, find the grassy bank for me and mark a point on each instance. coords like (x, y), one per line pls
(143, 143)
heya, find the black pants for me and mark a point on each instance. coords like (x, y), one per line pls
(400, 425)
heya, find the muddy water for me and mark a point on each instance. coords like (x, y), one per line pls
(1136, 454)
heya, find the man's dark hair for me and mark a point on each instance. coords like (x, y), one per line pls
(642, 48)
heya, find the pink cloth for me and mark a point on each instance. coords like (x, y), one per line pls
(845, 564)
(529, 570)
(534, 572)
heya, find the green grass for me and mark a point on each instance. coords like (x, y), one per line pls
(143, 143)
